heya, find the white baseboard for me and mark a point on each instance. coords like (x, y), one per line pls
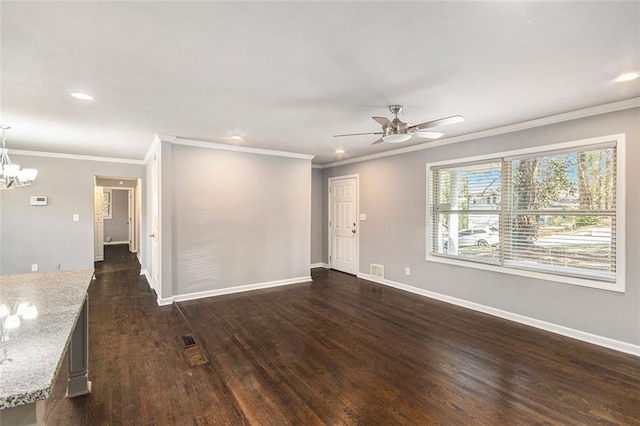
(543, 325)
(165, 302)
(111, 243)
(231, 290)
(320, 265)
(145, 273)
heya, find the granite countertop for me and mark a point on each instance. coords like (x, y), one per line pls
(31, 357)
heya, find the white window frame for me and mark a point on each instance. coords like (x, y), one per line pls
(110, 203)
(620, 280)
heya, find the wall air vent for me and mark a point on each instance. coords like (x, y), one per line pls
(376, 270)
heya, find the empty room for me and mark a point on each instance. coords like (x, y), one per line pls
(319, 213)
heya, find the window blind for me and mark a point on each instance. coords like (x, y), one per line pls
(553, 212)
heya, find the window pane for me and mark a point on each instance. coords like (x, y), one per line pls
(480, 243)
(552, 212)
(469, 187)
(573, 245)
(568, 181)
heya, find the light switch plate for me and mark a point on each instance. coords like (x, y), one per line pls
(363, 216)
(76, 217)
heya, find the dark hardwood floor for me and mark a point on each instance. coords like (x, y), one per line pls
(338, 350)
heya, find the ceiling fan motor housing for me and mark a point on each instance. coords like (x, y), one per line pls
(395, 109)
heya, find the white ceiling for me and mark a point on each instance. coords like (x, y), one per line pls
(290, 75)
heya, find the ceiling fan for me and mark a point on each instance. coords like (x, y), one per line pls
(396, 131)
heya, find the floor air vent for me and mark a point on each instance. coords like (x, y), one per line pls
(188, 341)
(376, 270)
(194, 354)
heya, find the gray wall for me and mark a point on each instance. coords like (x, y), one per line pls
(237, 218)
(48, 235)
(316, 216)
(117, 228)
(393, 195)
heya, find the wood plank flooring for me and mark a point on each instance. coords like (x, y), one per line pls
(335, 351)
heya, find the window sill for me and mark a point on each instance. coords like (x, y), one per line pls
(618, 287)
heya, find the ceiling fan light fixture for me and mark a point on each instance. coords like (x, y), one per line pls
(396, 138)
(428, 135)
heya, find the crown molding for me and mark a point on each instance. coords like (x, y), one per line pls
(539, 122)
(234, 148)
(77, 157)
(157, 140)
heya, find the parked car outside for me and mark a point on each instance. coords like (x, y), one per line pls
(481, 237)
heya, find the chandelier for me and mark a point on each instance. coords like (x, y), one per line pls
(10, 174)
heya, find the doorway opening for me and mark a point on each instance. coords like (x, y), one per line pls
(117, 214)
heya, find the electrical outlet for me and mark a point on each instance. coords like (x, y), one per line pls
(56, 266)
(407, 271)
(34, 267)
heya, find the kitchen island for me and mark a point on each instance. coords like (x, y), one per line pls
(42, 315)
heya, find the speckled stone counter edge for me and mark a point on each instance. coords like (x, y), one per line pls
(22, 398)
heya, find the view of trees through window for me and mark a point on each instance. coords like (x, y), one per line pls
(554, 212)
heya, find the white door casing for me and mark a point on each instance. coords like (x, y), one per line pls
(154, 191)
(98, 225)
(130, 221)
(138, 218)
(343, 224)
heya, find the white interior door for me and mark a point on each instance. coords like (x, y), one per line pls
(154, 191)
(98, 225)
(343, 224)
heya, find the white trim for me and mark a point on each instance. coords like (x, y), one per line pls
(143, 271)
(582, 143)
(76, 157)
(595, 339)
(165, 302)
(545, 121)
(157, 139)
(620, 283)
(244, 149)
(231, 290)
(356, 176)
(123, 178)
(111, 243)
(319, 265)
(317, 166)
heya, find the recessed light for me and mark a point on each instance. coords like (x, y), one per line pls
(627, 76)
(81, 96)
(339, 150)
(236, 138)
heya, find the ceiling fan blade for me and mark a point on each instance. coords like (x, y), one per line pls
(427, 134)
(384, 121)
(439, 122)
(357, 134)
(377, 142)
